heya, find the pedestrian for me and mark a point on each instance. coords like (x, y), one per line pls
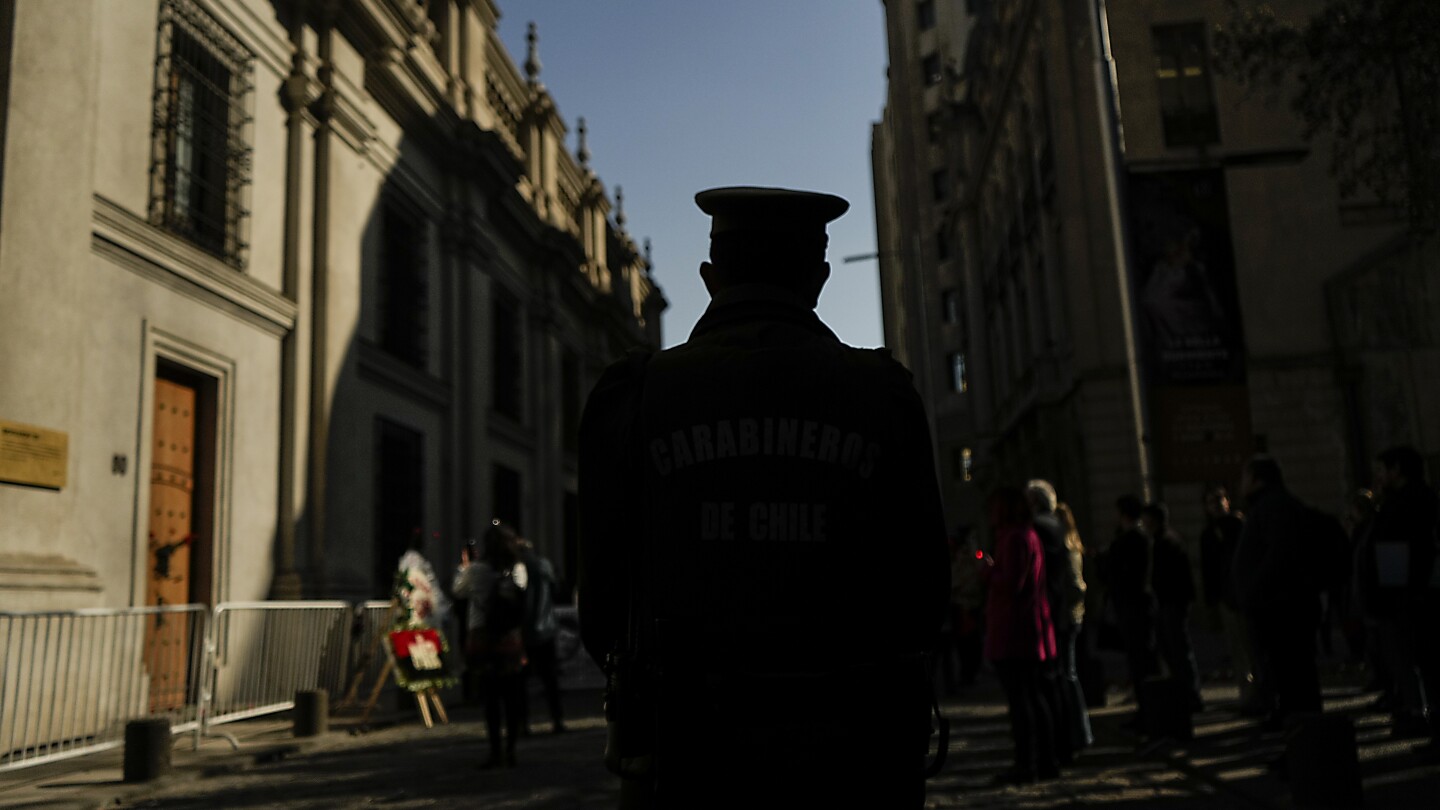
(967, 606)
(1067, 648)
(1065, 590)
(1218, 542)
(761, 524)
(1019, 634)
(539, 630)
(1404, 536)
(1174, 594)
(1363, 622)
(1126, 567)
(1278, 590)
(495, 586)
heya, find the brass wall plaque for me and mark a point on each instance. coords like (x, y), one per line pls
(33, 455)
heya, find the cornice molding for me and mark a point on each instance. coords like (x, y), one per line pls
(377, 366)
(135, 244)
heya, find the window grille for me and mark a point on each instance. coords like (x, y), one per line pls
(200, 152)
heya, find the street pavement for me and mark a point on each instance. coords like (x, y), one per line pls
(400, 764)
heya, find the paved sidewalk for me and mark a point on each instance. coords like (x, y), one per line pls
(403, 765)
(398, 763)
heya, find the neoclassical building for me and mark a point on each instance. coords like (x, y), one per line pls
(1126, 272)
(285, 287)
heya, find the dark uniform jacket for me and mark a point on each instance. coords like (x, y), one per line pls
(1408, 516)
(1173, 581)
(1058, 569)
(1217, 558)
(1276, 560)
(775, 498)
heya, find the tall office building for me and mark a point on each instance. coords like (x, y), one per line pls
(1128, 276)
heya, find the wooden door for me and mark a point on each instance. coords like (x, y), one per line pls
(171, 537)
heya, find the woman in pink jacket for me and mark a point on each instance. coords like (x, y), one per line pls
(1020, 636)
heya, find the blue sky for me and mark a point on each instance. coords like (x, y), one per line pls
(684, 95)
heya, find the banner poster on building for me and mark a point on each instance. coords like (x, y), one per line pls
(1187, 316)
(1186, 306)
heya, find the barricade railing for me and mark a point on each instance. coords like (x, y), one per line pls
(262, 653)
(364, 657)
(70, 680)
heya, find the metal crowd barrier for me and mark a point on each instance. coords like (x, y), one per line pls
(363, 656)
(262, 653)
(70, 680)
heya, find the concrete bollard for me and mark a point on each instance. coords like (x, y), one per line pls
(147, 748)
(1322, 764)
(312, 712)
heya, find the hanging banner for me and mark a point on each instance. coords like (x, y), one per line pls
(1187, 311)
(1186, 303)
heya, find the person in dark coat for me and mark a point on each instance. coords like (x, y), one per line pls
(1403, 536)
(1020, 636)
(761, 533)
(1218, 542)
(1066, 591)
(1364, 588)
(1174, 594)
(541, 629)
(1126, 567)
(1278, 590)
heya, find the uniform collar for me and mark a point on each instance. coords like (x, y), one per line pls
(757, 302)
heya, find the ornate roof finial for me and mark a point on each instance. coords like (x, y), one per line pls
(582, 149)
(620, 208)
(532, 57)
(648, 262)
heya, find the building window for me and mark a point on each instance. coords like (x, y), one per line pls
(506, 495)
(934, 126)
(959, 380)
(570, 400)
(1187, 105)
(507, 351)
(932, 69)
(967, 465)
(399, 498)
(403, 291)
(942, 245)
(939, 184)
(925, 14)
(950, 305)
(438, 12)
(200, 154)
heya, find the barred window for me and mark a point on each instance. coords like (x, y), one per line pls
(200, 154)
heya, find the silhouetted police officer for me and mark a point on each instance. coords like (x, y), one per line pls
(761, 531)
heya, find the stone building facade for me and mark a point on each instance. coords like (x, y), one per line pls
(1127, 312)
(286, 286)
